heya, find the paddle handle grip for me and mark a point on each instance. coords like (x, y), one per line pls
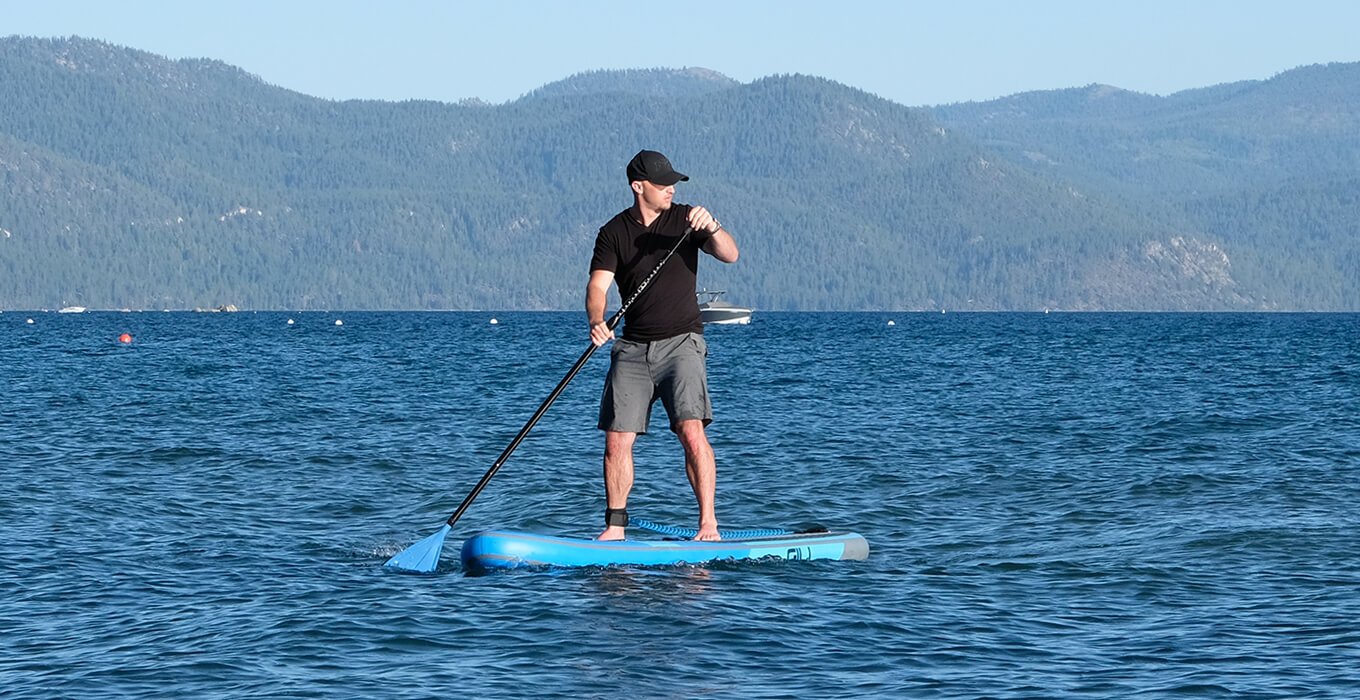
(561, 386)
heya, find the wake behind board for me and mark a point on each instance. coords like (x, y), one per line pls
(502, 549)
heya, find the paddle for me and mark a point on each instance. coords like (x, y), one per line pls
(423, 556)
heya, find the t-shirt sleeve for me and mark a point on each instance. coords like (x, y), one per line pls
(606, 255)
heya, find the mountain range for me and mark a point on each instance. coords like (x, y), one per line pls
(128, 180)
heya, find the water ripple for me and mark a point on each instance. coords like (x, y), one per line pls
(1104, 505)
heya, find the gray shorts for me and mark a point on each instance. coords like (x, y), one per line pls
(640, 373)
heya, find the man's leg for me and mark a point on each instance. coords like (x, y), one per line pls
(702, 470)
(618, 477)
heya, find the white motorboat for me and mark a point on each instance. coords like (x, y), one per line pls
(715, 310)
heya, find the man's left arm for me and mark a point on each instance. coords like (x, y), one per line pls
(720, 244)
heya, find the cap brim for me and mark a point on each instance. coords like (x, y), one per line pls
(669, 179)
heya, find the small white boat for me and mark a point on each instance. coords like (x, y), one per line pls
(715, 310)
(71, 310)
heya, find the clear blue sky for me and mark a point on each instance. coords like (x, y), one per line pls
(915, 53)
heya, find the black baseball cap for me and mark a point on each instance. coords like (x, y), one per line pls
(654, 168)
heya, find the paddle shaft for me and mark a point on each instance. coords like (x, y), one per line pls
(562, 385)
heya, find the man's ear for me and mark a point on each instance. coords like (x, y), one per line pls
(637, 187)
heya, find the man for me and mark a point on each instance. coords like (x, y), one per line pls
(662, 351)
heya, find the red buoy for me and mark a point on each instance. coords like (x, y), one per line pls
(125, 338)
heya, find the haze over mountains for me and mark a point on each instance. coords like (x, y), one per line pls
(128, 180)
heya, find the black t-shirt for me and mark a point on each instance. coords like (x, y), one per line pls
(631, 251)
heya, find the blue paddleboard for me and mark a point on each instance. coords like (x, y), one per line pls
(502, 549)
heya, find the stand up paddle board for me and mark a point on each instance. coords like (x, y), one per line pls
(502, 549)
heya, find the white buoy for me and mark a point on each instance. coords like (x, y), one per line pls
(30, 321)
(290, 321)
(494, 322)
(892, 322)
(338, 322)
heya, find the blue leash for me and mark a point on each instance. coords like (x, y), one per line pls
(689, 532)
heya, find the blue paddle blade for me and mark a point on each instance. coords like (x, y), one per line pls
(422, 556)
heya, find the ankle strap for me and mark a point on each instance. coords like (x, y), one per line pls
(616, 517)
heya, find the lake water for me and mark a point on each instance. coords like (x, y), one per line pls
(1059, 505)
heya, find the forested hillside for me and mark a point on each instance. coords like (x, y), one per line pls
(129, 180)
(1268, 169)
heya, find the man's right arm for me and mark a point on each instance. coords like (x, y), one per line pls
(597, 295)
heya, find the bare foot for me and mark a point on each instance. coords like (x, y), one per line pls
(708, 533)
(612, 533)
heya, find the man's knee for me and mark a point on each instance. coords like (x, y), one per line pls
(617, 444)
(691, 434)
